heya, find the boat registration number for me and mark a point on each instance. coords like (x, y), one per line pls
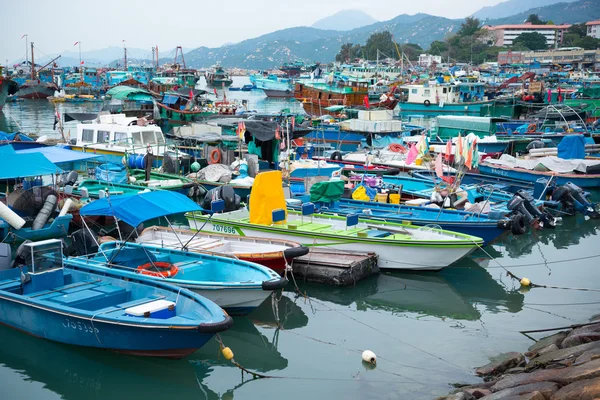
(499, 172)
(79, 326)
(224, 229)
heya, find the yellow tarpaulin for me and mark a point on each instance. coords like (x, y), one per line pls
(266, 196)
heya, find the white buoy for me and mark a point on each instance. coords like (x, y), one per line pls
(132, 179)
(11, 217)
(369, 357)
(65, 209)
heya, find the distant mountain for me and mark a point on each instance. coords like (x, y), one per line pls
(512, 7)
(310, 44)
(345, 20)
(559, 13)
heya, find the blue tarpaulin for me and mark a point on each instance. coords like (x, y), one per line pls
(169, 99)
(137, 208)
(25, 165)
(572, 146)
(11, 136)
(111, 173)
(59, 155)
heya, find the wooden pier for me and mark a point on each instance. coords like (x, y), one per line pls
(335, 267)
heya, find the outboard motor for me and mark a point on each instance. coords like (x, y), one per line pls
(225, 193)
(545, 219)
(573, 199)
(69, 178)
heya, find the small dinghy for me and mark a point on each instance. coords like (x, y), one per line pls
(81, 304)
(235, 285)
(273, 253)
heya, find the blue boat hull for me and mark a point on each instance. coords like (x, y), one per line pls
(583, 181)
(57, 229)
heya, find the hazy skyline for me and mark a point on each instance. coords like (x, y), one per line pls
(56, 25)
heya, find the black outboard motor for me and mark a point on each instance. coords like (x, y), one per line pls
(225, 193)
(524, 203)
(573, 199)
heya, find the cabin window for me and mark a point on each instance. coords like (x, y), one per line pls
(159, 138)
(137, 137)
(444, 90)
(148, 137)
(87, 135)
(103, 136)
(120, 137)
(413, 91)
(426, 92)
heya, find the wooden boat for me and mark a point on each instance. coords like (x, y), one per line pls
(272, 253)
(399, 246)
(80, 304)
(237, 286)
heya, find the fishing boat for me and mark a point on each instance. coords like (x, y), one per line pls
(237, 286)
(95, 189)
(164, 181)
(474, 224)
(116, 136)
(36, 88)
(274, 86)
(8, 87)
(460, 98)
(76, 303)
(399, 246)
(217, 76)
(272, 253)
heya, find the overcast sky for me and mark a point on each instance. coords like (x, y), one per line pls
(55, 25)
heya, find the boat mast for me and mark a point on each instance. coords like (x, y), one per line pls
(80, 63)
(157, 56)
(26, 48)
(32, 64)
(125, 58)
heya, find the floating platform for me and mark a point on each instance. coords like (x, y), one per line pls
(335, 267)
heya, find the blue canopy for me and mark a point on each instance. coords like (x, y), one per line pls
(169, 99)
(13, 165)
(137, 208)
(59, 155)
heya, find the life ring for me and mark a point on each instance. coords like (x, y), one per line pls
(215, 156)
(159, 269)
(531, 128)
(397, 148)
(427, 103)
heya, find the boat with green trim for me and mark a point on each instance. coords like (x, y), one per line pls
(217, 76)
(399, 246)
(92, 188)
(164, 181)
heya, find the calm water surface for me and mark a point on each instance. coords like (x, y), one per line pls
(428, 329)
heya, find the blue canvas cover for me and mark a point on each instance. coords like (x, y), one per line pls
(572, 146)
(59, 155)
(137, 208)
(111, 173)
(25, 165)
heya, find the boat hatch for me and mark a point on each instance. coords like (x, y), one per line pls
(162, 309)
(46, 255)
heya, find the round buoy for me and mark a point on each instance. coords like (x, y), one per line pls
(132, 179)
(195, 167)
(227, 353)
(369, 357)
(525, 282)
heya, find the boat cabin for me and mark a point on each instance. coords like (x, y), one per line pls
(448, 94)
(117, 132)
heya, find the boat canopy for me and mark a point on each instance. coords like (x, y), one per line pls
(15, 165)
(137, 208)
(129, 93)
(59, 155)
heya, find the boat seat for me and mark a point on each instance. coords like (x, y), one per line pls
(12, 285)
(400, 236)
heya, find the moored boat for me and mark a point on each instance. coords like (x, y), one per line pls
(399, 246)
(8, 87)
(273, 253)
(79, 304)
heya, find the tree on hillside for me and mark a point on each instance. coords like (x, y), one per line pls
(469, 27)
(534, 19)
(383, 42)
(348, 52)
(411, 50)
(531, 40)
(438, 48)
(588, 43)
(579, 29)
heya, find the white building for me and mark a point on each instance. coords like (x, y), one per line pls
(506, 34)
(426, 60)
(593, 29)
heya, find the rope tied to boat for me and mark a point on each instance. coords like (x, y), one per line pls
(228, 355)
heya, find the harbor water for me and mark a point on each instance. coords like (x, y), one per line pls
(429, 330)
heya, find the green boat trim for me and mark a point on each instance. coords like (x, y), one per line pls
(140, 180)
(313, 231)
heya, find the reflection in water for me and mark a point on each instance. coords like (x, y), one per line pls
(79, 373)
(291, 315)
(451, 293)
(569, 233)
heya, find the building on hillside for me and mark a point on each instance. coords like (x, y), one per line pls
(506, 34)
(577, 57)
(427, 60)
(593, 29)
